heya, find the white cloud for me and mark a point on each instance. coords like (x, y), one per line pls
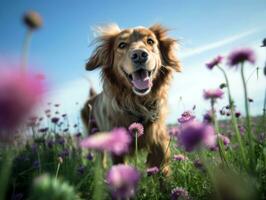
(217, 44)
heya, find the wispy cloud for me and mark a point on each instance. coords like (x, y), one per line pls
(217, 44)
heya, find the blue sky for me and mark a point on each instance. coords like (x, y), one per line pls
(205, 28)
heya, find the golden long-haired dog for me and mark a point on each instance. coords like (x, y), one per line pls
(136, 67)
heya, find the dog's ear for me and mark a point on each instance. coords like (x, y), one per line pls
(167, 46)
(103, 54)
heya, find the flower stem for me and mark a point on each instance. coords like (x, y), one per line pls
(136, 149)
(233, 117)
(25, 50)
(248, 121)
(57, 170)
(220, 143)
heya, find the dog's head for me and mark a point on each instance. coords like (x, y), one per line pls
(133, 58)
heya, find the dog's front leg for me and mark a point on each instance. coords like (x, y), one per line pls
(159, 152)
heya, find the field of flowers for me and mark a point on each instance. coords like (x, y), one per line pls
(210, 159)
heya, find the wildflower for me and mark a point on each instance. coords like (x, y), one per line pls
(222, 86)
(263, 43)
(89, 156)
(240, 56)
(81, 170)
(179, 193)
(57, 105)
(64, 153)
(36, 164)
(64, 115)
(186, 117)
(180, 157)
(116, 141)
(250, 100)
(174, 131)
(136, 128)
(223, 138)
(237, 114)
(19, 94)
(151, 171)
(198, 164)
(122, 180)
(214, 62)
(194, 133)
(65, 130)
(207, 117)
(32, 20)
(55, 120)
(94, 130)
(60, 160)
(213, 94)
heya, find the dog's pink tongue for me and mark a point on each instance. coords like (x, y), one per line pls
(141, 80)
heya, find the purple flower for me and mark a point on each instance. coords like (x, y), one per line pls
(180, 157)
(50, 143)
(213, 94)
(122, 180)
(194, 133)
(36, 164)
(179, 193)
(136, 128)
(81, 170)
(153, 170)
(64, 153)
(55, 120)
(94, 130)
(240, 56)
(89, 156)
(198, 164)
(43, 130)
(237, 114)
(186, 117)
(214, 62)
(19, 94)
(207, 117)
(117, 141)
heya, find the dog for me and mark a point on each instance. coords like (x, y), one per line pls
(136, 66)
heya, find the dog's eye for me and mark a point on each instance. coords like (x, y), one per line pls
(122, 45)
(150, 41)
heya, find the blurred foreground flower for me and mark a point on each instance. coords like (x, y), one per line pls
(123, 180)
(46, 187)
(194, 133)
(239, 56)
(180, 157)
(116, 141)
(19, 94)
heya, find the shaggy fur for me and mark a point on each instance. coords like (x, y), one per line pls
(117, 105)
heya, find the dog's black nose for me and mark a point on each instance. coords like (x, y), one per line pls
(139, 56)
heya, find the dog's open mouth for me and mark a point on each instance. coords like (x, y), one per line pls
(141, 81)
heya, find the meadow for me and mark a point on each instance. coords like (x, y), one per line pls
(210, 158)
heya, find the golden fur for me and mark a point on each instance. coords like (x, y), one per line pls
(117, 105)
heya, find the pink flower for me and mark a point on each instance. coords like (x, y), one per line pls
(180, 157)
(240, 56)
(186, 117)
(174, 131)
(136, 128)
(19, 94)
(213, 94)
(153, 170)
(214, 62)
(117, 141)
(123, 180)
(223, 138)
